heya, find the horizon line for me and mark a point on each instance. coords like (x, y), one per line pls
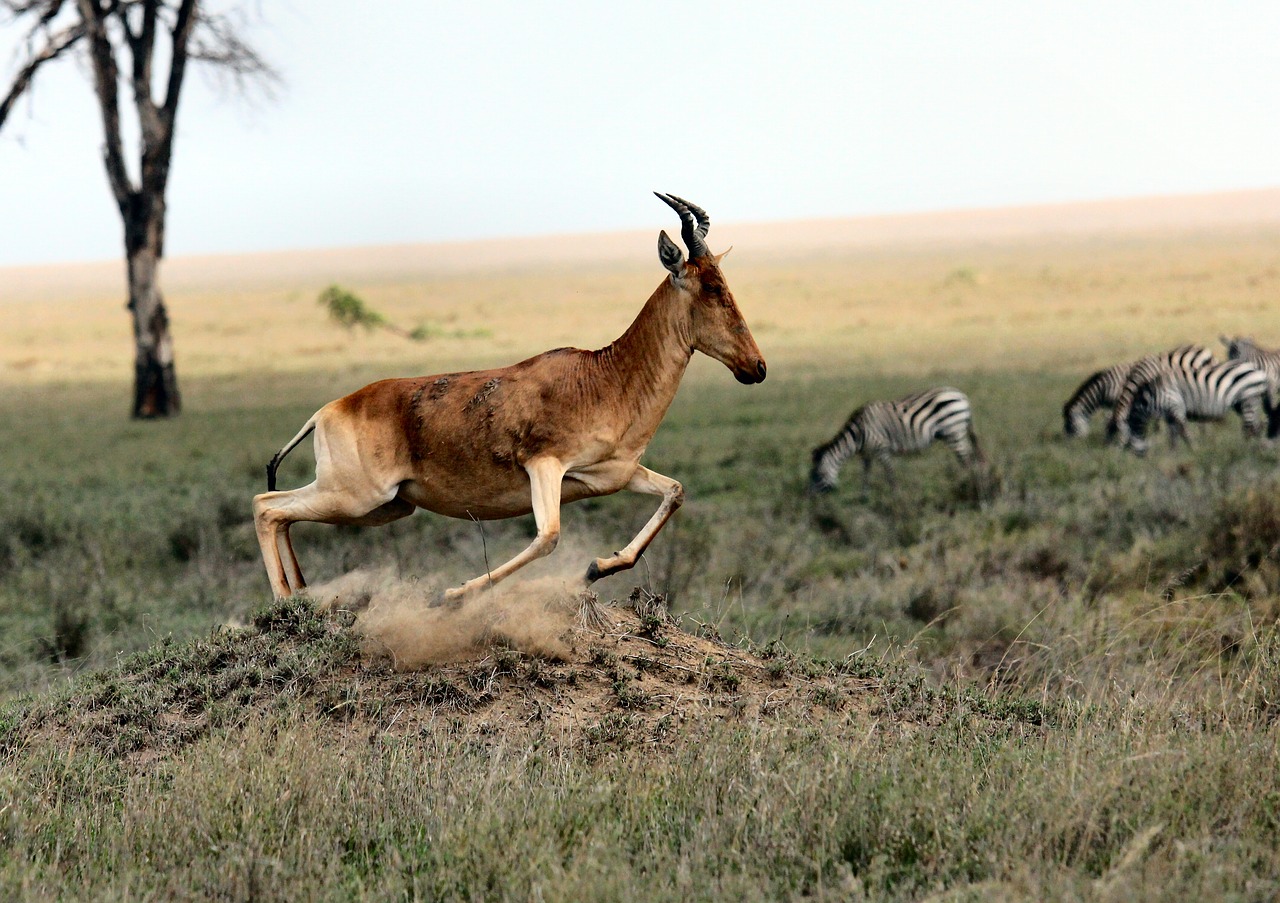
(537, 237)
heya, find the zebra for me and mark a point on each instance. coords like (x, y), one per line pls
(1205, 394)
(880, 429)
(1265, 359)
(1186, 359)
(1102, 389)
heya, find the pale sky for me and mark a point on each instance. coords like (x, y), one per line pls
(410, 121)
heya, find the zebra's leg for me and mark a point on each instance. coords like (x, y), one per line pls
(964, 444)
(1136, 435)
(1272, 412)
(886, 461)
(1177, 430)
(958, 442)
(968, 452)
(866, 474)
(1251, 414)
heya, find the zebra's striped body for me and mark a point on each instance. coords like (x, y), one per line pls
(880, 429)
(1184, 360)
(1103, 389)
(1205, 394)
(1265, 359)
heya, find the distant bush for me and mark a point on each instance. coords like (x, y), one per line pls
(349, 311)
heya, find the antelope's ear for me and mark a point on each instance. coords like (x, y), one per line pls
(722, 255)
(670, 254)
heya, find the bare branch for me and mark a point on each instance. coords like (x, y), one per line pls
(48, 9)
(19, 8)
(141, 46)
(181, 37)
(56, 45)
(217, 41)
(105, 78)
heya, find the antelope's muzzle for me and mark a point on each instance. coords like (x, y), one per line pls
(749, 375)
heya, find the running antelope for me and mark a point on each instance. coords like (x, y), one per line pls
(489, 444)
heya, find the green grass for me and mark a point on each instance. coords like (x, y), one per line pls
(1074, 683)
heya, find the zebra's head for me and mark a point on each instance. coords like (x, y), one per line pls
(829, 457)
(1239, 348)
(1074, 421)
(1145, 407)
(824, 475)
(1118, 432)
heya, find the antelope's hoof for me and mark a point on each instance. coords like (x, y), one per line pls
(593, 573)
(451, 598)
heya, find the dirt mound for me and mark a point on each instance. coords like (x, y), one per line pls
(621, 669)
(626, 670)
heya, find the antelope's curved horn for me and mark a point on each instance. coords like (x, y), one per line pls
(694, 224)
(704, 221)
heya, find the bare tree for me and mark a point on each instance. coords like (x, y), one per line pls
(119, 39)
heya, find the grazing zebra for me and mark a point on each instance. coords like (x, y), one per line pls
(1265, 359)
(1205, 394)
(880, 429)
(1185, 359)
(1102, 389)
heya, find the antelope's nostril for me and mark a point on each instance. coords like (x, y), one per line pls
(748, 375)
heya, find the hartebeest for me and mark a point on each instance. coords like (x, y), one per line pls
(562, 426)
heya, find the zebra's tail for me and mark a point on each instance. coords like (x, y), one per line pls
(978, 456)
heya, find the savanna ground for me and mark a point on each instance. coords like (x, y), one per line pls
(1064, 689)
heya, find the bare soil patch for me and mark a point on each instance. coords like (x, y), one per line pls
(625, 670)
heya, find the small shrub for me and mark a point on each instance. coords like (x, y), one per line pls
(629, 696)
(721, 678)
(349, 311)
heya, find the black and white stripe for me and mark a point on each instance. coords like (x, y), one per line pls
(1205, 394)
(880, 429)
(1183, 361)
(1102, 389)
(1267, 360)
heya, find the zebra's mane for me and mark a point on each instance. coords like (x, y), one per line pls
(1090, 385)
(850, 424)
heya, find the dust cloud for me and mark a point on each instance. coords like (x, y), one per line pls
(404, 620)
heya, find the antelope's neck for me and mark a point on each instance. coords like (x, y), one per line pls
(647, 361)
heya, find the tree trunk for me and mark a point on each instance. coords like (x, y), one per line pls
(155, 385)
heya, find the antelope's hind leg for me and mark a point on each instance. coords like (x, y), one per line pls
(650, 483)
(293, 570)
(274, 512)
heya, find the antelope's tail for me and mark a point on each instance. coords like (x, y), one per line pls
(279, 456)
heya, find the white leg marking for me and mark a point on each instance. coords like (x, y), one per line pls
(545, 478)
(650, 483)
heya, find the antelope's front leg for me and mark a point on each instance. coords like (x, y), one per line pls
(649, 483)
(545, 478)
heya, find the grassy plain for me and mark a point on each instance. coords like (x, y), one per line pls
(1071, 689)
